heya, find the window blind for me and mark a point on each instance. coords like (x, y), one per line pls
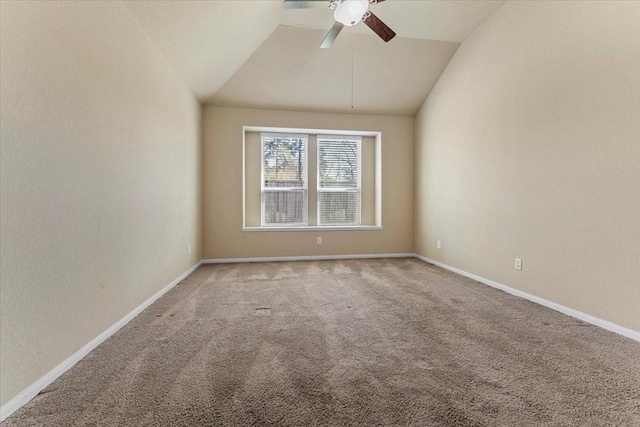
(284, 180)
(339, 180)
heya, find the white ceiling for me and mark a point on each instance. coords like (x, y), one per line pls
(255, 53)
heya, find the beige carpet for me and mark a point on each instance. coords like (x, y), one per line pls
(341, 343)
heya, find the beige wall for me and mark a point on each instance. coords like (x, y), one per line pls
(100, 179)
(222, 187)
(529, 147)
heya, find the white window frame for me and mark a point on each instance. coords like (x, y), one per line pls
(314, 131)
(304, 188)
(357, 190)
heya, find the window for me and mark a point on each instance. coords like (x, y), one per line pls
(284, 180)
(339, 184)
(305, 179)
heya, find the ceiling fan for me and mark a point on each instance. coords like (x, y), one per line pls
(346, 13)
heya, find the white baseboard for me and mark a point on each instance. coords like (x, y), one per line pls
(305, 258)
(605, 324)
(32, 391)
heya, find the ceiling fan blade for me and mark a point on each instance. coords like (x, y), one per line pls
(375, 1)
(331, 35)
(379, 27)
(305, 4)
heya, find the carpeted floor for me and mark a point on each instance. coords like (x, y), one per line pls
(340, 343)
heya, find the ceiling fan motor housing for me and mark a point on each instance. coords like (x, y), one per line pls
(350, 12)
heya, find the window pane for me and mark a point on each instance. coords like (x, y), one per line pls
(339, 207)
(338, 181)
(284, 162)
(338, 164)
(284, 207)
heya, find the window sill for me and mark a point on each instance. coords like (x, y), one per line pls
(317, 228)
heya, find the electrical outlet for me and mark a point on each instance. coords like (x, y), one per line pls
(518, 264)
(189, 249)
(319, 240)
(439, 244)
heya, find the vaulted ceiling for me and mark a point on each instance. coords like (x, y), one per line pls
(254, 53)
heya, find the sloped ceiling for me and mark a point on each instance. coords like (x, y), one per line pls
(255, 53)
(289, 70)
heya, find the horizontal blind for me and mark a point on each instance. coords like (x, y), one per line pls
(339, 186)
(284, 207)
(284, 179)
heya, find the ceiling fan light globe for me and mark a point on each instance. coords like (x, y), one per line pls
(350, 12)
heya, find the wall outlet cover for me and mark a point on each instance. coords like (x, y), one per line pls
(518, 264)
